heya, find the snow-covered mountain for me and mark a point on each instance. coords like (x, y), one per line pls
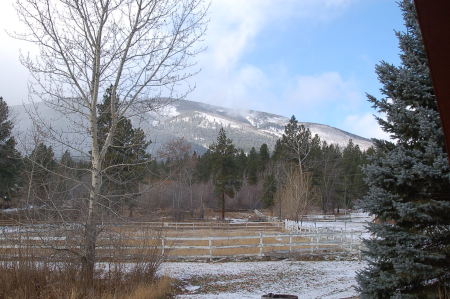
(199, 124)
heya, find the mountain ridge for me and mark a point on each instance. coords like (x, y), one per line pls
(199, 123)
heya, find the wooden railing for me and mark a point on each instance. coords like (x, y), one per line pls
(256, 245)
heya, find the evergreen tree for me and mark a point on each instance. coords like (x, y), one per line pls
(297, 143)
(329, 173)
(409, 182)
(269, 190)
(277, 151)
(242, 162)
(10, 163)
(352, 185)
(41, 166)
(203, 167)
(225, 173)
(126, 162)
(264, 157)
(252, 167)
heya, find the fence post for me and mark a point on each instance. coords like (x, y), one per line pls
(290, 243)
(162, 244)
(261, 244)
(210, 248)
(351, 240)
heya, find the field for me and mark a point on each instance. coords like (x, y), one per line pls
(317, 258)
(312, 279)
(193, 240)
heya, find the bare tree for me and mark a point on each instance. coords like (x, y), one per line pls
(297, 194)
(177, 154)
(140, 49)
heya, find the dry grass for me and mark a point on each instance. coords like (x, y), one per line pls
(32, 280)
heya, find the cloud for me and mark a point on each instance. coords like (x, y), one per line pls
(316, 90)
(235, 23)
(364, 125)
(234, 26)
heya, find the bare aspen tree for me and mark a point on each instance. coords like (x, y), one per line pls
(297, 195)
(141, 49)
(177, 154)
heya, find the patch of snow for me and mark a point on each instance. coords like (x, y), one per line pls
(169, 111)
(317, 279)
(191, 288)
(236, 220)
(216, 119)
(251, 121)
(274, 131)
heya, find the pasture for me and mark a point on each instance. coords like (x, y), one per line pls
(200, 240)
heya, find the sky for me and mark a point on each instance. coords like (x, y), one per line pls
(314, 59)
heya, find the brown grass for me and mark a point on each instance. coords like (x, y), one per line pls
(32, 280)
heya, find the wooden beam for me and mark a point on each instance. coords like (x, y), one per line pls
(434, 21)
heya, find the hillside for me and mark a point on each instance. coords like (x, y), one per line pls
(199, 123)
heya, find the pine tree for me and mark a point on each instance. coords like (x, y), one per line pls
(328, 173)
(126, 161)
(352, 183)
(203, 167)
(277, 151)
(225, 173)
(41, 166)
(252, 167)
(242, 161)
(10, 163)
(264, 157)
(409, 182)
(297, 143)
(269, 190)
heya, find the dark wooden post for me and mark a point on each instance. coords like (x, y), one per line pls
(434, 21)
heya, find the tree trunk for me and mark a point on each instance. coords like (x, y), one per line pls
(88, 263)
(90, 235)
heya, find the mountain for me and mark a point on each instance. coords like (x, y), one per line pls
(199, 124)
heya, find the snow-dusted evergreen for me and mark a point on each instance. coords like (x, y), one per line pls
(409, 182)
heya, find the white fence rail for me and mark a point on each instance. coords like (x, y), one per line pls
(264, 244)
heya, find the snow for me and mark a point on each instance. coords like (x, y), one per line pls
(316, 279)
(169, 111)
(274, 131)
(215, 119)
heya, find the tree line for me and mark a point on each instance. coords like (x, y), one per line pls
(301, 173)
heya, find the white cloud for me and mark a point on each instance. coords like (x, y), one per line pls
(364, 125)
(235, 23)
(231, 33)
(316, 90)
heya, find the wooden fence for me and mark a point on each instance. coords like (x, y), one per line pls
(200, 225)
(196, 247)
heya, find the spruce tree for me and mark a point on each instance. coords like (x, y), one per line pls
(225, 173)
(10, 163)
(408, 255)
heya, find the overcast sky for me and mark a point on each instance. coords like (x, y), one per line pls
(311, 58)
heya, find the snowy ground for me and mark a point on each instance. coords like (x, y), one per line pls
(311, 279)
